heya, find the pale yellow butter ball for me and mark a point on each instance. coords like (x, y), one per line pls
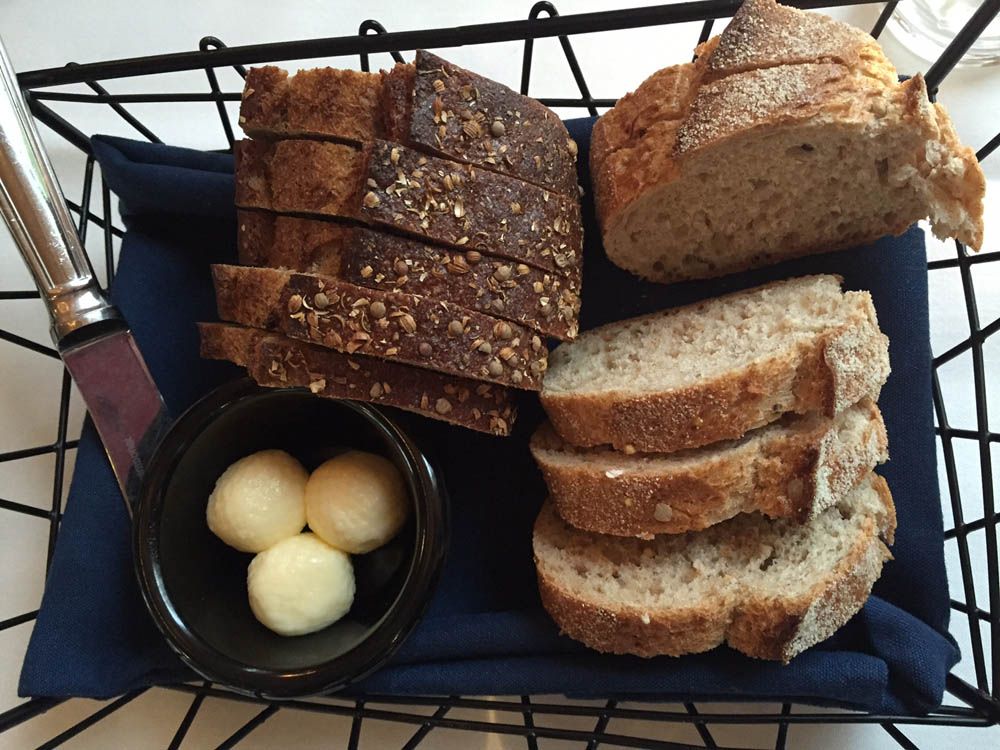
(300, 585)
(258, 501)
(356, 501)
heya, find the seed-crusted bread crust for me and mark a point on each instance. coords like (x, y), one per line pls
(432, 105)
(394, 187)
(737, 606)
(544, 301)
(467, 117)
(276, 361)
(402, 327)
(794, 468)
(826, 373)
(777, 78)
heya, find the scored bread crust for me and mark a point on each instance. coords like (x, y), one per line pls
(275, 361)
(826, 374)
(773, 71)
(796, 471)
(402, 327)
(544, 301)
(762, 626)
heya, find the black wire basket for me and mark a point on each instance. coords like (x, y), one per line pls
(966, 705)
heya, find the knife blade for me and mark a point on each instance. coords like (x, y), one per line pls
(92, 337)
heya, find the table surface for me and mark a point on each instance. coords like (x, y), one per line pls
(51, 33)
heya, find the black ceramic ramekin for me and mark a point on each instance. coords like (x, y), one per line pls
(195, 586)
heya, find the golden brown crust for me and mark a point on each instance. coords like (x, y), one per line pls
(227, 342)
(324, 102)
(772, 97)
(627, 631)
(764, 34)
(793, 474)
(416, 330)
(761, 626)
(305, 176)
(546, 302)
(309, 245)
(276, 361)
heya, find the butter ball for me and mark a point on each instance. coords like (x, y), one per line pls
(356, 501)
(258, 501)
(300, 585)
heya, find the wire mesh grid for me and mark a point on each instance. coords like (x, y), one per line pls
(968, 704)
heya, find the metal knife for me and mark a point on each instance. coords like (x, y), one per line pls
(92, 337)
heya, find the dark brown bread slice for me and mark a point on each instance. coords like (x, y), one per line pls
(394, 187)
(277, 361)
(768, 588)
(431, 105)
(793, 468)
(464, 116)
(544, 301)
(324, 102)
(401, 327)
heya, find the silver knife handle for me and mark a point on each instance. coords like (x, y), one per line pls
(34, 209)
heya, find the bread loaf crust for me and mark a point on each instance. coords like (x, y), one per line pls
(547, 302)
(324, 102)
(276, 361)
(796, 476)
(761, 627)
(393, 187)
(402, 327)
(464, 116)
(775, 71)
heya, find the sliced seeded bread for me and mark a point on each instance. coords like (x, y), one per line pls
(793, 136)
(277, 361)
(768, 588)
(402, 327)
(542, 300)
(714, 370)
(397, 188)
(431, 105)
(794, 468)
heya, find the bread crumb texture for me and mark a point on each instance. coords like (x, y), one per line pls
(789, 135)
(769, 588)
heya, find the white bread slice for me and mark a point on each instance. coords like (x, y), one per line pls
(714, 370)
(768, 588)
(793, 137)
(794, 468)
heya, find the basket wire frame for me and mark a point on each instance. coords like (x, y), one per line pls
(977, 705)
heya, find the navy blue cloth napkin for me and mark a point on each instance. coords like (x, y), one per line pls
(485, 631)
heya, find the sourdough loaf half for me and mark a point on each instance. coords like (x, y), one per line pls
(542, 300)
(768, 588)
(794, 468)
(397, 188)
(431, 105)
(402, 327)
(788, 136)
(276, 361)
(711, 371)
